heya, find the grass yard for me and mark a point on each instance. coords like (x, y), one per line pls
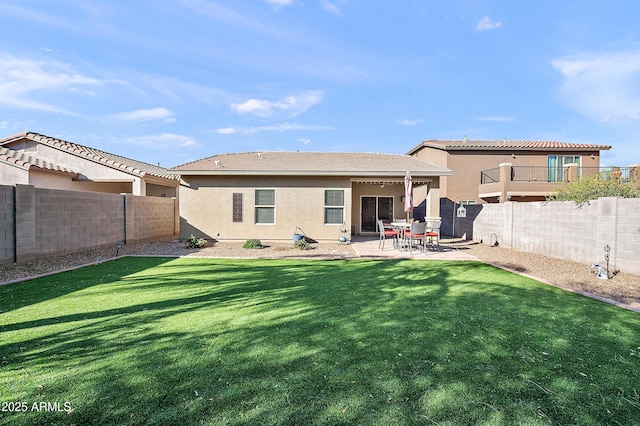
(202, 341)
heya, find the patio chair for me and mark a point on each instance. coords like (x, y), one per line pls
(386, 231)
(416, 234)
(433, 233)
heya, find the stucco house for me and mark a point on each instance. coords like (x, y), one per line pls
(269, 194)
(489, 171)
(45, 162)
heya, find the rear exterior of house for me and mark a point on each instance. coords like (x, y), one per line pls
(269, 195)
(499, 171)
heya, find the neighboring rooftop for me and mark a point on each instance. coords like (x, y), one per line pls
(311, 163)
(114, 161)
(26, 162)
(504, 144)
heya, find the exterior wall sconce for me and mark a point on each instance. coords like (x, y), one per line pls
(593, 157)
(513, 156)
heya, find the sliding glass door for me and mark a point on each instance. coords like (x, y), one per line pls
(374, 208)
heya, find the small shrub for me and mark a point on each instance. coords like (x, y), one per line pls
(194, 242)
(302, 244)
(253, 244)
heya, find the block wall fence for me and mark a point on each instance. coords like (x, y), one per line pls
(36, 222)
(564, 230)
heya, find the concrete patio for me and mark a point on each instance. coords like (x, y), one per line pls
(367, 247)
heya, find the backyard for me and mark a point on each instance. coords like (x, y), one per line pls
(153, 340)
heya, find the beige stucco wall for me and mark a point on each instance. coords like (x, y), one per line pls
(41, 179)
(11, 175)
(206, 207)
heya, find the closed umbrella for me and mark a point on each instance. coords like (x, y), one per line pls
(408, 193)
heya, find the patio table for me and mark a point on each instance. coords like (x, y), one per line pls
(401, 227)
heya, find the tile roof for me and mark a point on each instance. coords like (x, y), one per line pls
(26, 162)
(311, 164)
(520, 145)
(127, 165)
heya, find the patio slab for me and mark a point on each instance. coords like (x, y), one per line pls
(367, 247)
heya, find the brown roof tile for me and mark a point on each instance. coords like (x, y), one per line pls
(114, 161)
(521, 145)
(312, 163)
(27, 162)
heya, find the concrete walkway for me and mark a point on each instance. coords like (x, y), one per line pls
(367, 247)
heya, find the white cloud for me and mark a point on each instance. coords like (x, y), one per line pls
(145, 115)
(290, 106)
(604, 86)
(496, 119)
(410, 122)
(162, 141)
(24, 83)
(280, 2)
(283, 127)
(486, 24)
(331, 7)
(305, 141)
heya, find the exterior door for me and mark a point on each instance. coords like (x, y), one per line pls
(374, 208)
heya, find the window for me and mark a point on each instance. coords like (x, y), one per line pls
(467, 202)
(557, 164)
(265, 206)
(334, 206)
(237, 207)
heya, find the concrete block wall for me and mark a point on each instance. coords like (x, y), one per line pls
(564, 230)
(7, 224)
(70, 221)
(150, 217)
(37, 222)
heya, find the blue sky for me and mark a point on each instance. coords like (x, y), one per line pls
(171, 81)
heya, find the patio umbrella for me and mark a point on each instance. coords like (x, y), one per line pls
(408, 193)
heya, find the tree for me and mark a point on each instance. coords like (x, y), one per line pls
(603, 184)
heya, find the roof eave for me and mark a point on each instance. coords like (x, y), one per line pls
(424, 173)
(471, 147)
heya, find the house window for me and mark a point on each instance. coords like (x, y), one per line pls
(557, 164)
(265, 206)
(334, 206)
(237, 207)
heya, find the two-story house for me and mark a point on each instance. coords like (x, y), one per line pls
(504, 170)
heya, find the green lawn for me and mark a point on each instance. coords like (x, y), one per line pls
(201, 341)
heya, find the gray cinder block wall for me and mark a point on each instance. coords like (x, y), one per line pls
(36, 222)
(7, 224)
(567, 231)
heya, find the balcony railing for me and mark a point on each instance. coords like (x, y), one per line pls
(557, 174)
(537, 174)
(490, 176)
(625, 174)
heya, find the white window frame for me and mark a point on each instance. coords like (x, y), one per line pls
(257, 206)
(333, 207)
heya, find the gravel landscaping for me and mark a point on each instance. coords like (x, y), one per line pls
(622, 287)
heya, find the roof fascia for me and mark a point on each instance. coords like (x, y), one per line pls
(350, 174)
